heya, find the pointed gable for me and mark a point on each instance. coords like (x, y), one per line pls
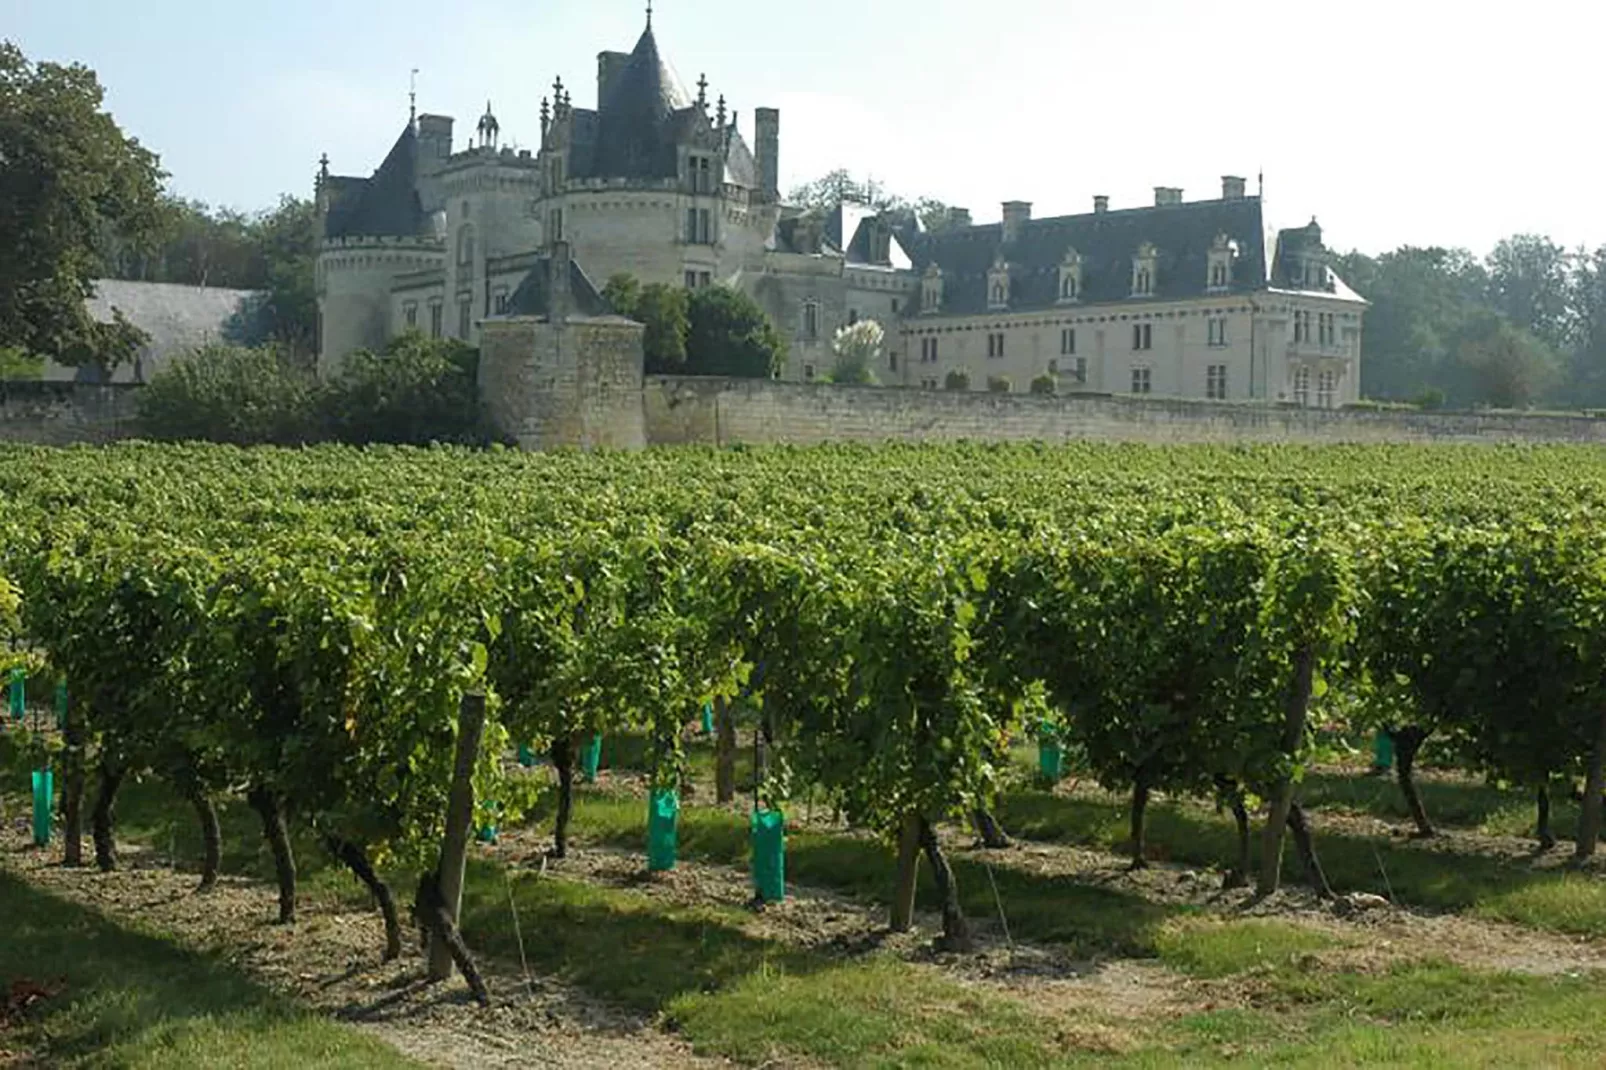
(386, 205)
(634, 134)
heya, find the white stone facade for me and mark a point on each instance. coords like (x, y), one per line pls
(1181, 299)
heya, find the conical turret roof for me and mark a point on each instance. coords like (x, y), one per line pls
(634, 140)
(387, 204)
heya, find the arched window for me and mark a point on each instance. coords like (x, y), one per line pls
(465, 247)
(1068, 287)
(998, 293)
(1145, 282)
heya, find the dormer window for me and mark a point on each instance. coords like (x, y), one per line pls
(931, 291)
(1070, 276)
(1143, 270)
(998, 285)
(700, 173)
(1223, 251)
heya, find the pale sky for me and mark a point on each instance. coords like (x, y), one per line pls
(1406, 121)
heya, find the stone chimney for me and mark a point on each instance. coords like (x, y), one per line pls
(609, 64)
(1016, 215)
(1166, 195)
(434, 141)
(958, 217)
(1233, 187)
(1101, 203)
(767, 148)
(560, 299)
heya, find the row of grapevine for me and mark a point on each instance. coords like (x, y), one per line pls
(302, 628)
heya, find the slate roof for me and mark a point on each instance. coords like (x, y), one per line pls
(534, 294)
(634, 137)
(385, 205)
(1182, 235)
(177, 318)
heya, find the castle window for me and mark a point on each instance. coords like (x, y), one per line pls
(995, 346)
(811, 320)
(1142, 336)
(853, 316)
(436, 316)
(1326, 388)
(691, 280)
(1222, 253)
(998, 284)
(1327, 328)
(698, 227)
(465, 317)
(892, 361)
(808, 373)
(998, 293)
(1302, 327)
(1218, 332)
(701, 173)
(1070, 276)
(500, 298)
(410, 314)
(1142, 380)
(555, 225)
(1143, 270)
(1068, 341)
(704, 280)
(1218, 276)
(1081, 369)
(928, 350)
(1302, 386)
(895, 306)
(1216, 382)
(465, 249)
(931, 291)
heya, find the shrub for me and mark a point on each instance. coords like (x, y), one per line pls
(233, 395)
(999, 384)
(958, 379)
(1045, 385)
(420, 390)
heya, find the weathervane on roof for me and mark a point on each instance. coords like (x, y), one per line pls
(412, 96)
(649, 14)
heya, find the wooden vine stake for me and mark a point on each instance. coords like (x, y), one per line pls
(459, 826)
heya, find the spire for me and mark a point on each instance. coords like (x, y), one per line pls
(702, 91)
(649, 14)
(412, 96)
(323, 170)
(720, 113)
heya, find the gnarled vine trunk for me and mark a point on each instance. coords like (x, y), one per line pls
(564, 753)
(435, 923)
(725, 752)
(1295, 712)
(988, 829)
(72, 789)
(211, 834)
(1230, 791)
(103, 819)
(903, 892)
(271, 810)
(1314, 876)
(1589, 813)
(955, 929)
(1547, 839)
(356, 859)
(1140, 806)
(1407, 744)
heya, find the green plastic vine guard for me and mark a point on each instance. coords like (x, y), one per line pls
(663, 831)
(591, 758)
(44, 793)
(769, 855)
(18, 690)
(1050, 755)
(1383, 752)
(526, 756)
(708, 718)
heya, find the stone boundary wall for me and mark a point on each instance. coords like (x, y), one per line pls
(60, 414)
(722, 412)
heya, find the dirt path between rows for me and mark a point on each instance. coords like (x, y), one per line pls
(330, 961)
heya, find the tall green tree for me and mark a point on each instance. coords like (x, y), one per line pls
(1530, 283)
(70, 176)
(664, 310)
(1422, 300)
(731, 336)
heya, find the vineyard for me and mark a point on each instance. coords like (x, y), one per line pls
(377, 654)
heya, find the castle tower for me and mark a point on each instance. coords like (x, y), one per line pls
(373, 229)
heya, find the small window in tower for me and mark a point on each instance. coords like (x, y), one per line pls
(808, 373)
(436, 318)
(410, 314)
(811, 320)
(704, 231)
(555, 225)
